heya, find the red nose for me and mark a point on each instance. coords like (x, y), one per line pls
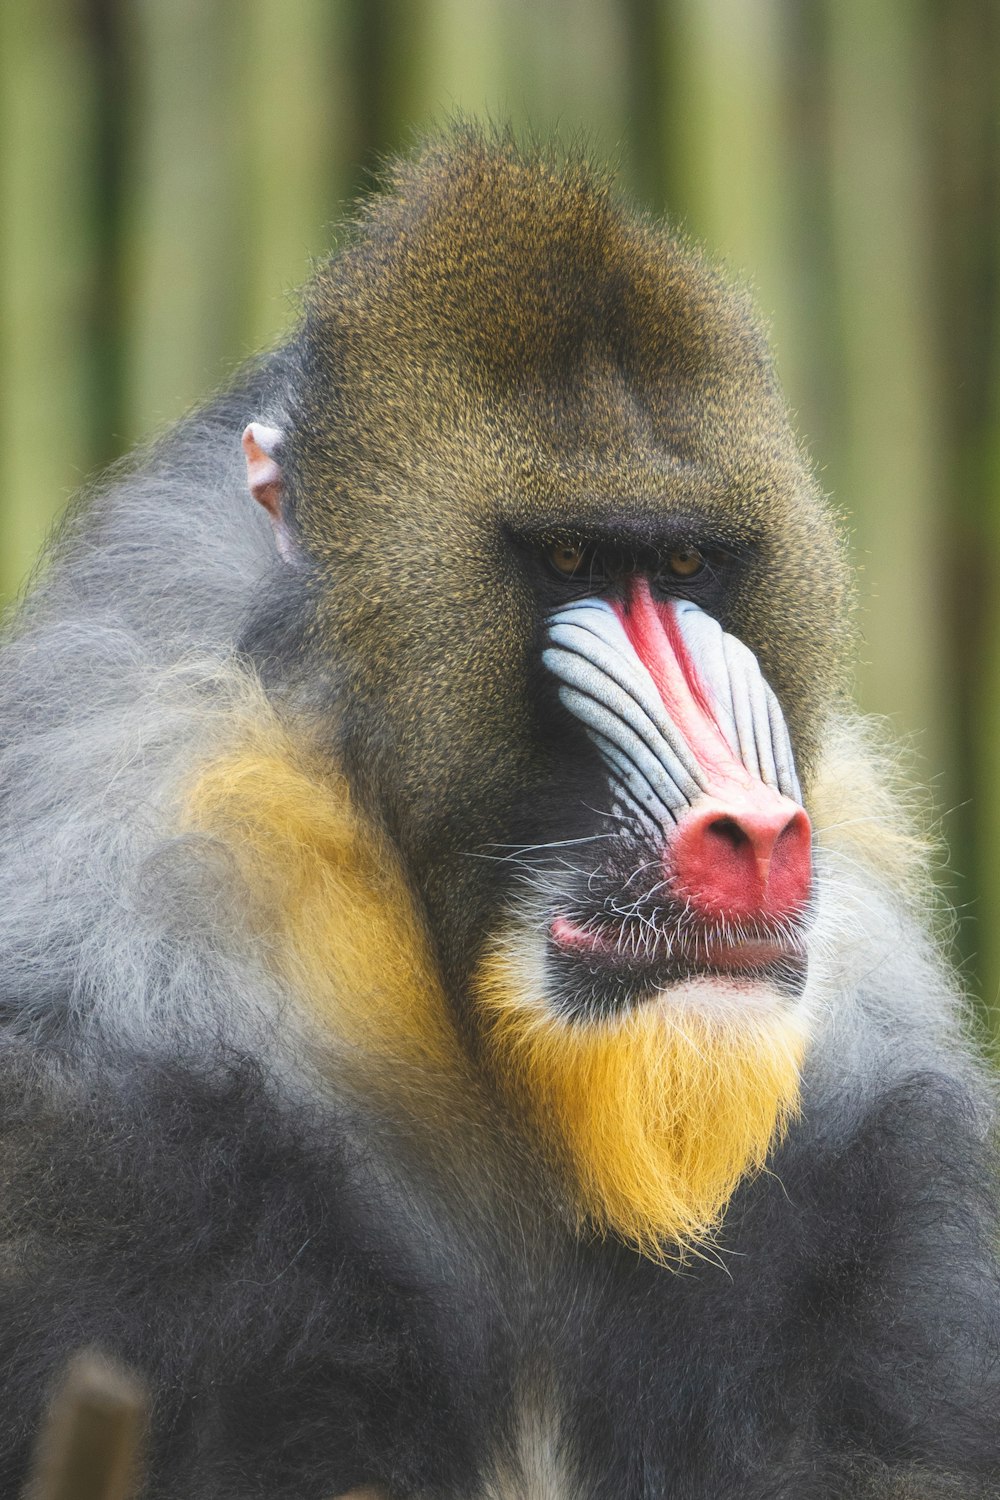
(745, 855)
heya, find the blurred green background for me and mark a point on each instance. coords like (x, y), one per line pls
(168, 168)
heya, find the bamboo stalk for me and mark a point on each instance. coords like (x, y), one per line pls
(980, 626)
(543, 67)
(891, 463)
(295, 104)
(184, 252)
(727, 140)
(90, 1441)
(47, 267)
(462, 61)
(567, 72)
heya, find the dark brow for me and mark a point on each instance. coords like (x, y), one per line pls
(643, 537)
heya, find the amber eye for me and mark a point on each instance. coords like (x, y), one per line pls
(686, 562)
(566, 557)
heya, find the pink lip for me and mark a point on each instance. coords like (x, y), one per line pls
(758, 954)
(602, 946)
(578, 940)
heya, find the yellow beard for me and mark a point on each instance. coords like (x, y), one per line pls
(658, 1114)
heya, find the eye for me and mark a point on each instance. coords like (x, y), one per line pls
(685, 562)
(567, 558)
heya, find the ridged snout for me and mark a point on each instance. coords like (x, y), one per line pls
(696, 748)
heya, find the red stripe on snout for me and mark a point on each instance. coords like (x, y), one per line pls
(743, 849)
(645, 618)
(655, 635)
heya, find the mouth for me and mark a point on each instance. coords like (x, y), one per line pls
(615, 960)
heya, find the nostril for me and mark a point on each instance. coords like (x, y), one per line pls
(796, 828)
(730, 831)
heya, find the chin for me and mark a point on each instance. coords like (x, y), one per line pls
(654, 1094)
(732, 1000)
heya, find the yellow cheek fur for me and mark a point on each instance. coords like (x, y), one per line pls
(657, 1115)
(329, 899)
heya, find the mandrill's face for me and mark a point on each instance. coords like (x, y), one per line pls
(700, 867)
(605, 824)
(586, 611)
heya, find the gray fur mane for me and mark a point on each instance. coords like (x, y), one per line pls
(120, 673)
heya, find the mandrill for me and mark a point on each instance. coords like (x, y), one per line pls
(470, 1029)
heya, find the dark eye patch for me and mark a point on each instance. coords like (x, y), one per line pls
(567, 561)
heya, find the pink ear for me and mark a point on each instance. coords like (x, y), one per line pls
(260, 444)
(266, 482)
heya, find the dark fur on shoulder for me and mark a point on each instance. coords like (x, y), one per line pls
(237, 1253)
(177, 1217)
